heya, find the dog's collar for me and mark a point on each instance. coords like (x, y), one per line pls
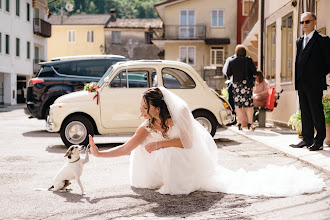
(75, 161)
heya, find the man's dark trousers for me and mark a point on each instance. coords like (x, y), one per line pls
(311, 114)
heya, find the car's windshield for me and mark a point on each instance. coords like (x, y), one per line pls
(107, 73)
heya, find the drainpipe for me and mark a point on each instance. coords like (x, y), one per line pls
(262, 21)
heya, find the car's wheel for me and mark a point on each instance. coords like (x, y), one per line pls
(75, 130)
(207, 120)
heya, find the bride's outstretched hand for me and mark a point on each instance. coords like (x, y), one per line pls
(93, 148)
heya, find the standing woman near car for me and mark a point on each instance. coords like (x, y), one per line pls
(242, 69)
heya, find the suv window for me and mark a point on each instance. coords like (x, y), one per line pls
(136, 79)
(92, 68)
(177, 79)
(48, 71)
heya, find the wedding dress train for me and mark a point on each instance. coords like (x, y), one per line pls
(175, 170)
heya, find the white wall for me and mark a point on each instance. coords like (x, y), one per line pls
(18, 27)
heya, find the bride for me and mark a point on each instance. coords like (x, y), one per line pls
(173, 153)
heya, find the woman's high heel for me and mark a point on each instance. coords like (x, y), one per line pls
(239, 126)
(251, 127)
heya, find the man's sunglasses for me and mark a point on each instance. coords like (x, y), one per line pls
(306, 22)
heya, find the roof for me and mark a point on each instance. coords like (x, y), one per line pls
(135, 23)
(165, 2)
(79, 19)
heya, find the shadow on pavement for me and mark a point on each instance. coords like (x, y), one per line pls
(178, 205)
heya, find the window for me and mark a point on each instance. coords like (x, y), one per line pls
(116, 37)
(187, 55)
(17, 47)
(7, 5)
(0, 41)
(27, 11)
(17, 7)
(177, 79)
(271, 53)
(148, 37)
(217, 17)
(187, 24)
(137, 78)
(7, 44)
(217, 56)
(71, 36)
(90, 36)
(247, 5)
(28, 46)
(287, 49)
(92, 68)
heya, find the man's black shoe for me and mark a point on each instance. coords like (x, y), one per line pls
(315, 147)
(301, 144)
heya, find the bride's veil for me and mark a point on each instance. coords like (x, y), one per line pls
(193, 135)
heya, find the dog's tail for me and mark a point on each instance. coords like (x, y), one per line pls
(43, 189)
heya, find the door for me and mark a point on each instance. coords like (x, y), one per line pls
(120, 100)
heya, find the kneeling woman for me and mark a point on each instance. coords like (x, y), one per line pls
(173, 153)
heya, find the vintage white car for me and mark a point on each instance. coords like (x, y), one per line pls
(115, 107)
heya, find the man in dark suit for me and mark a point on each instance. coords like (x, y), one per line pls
(311, 67)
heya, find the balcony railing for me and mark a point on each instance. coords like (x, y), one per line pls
(36, 65)
(251, 20)
(41, 27)
(184, 32)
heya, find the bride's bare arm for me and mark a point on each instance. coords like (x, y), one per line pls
(120, 150)
(163, 144)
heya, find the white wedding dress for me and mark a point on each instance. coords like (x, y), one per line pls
(195, 167)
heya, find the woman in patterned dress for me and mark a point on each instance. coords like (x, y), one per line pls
(243, 70)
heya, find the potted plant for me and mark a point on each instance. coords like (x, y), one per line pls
(326, 109)
(295, 122)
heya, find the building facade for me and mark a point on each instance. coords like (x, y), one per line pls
(77, 35)
(23, 42)
(278, 29)
(200, 33)
(132, 37)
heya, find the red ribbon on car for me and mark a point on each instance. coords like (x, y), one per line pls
(97, 97)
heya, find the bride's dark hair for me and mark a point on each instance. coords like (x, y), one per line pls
(154, 97)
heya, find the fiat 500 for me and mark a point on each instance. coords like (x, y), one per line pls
(114, 108)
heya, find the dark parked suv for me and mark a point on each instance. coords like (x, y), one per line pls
(64, 75)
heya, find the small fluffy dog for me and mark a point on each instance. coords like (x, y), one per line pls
(71, 170)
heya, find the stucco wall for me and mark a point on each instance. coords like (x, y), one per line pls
(58, 44)
(132, 46)
(203, 16)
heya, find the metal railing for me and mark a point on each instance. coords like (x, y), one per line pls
(251, 20)
(179, 32)
(41, 27)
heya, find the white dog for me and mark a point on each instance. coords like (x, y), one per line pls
(71, 170)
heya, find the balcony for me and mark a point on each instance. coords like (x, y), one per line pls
(36, 65)
(183, 32)
(41, 27)
(251, 20)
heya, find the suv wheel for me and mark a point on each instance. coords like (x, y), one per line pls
(207, 120)
(75, 130)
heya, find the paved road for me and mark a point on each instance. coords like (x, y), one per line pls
(31, 157)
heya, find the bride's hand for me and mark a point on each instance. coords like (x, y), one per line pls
(93, 148)
(152, 146)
